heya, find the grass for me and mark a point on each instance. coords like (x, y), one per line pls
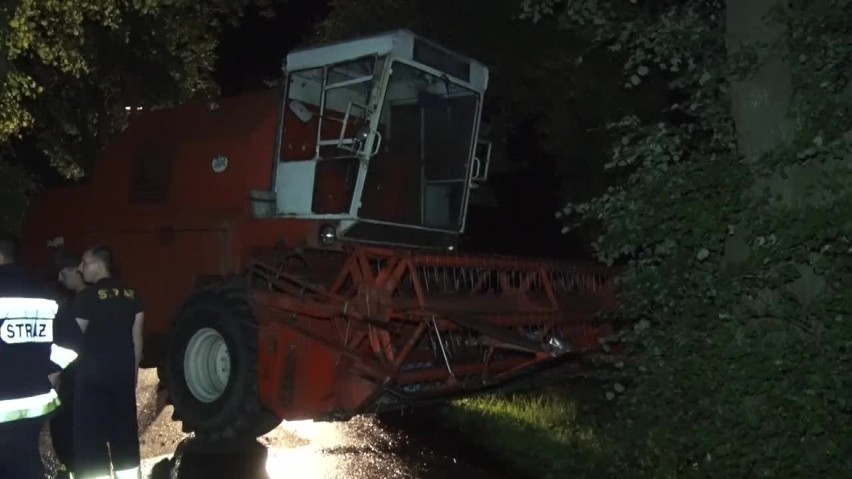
(548, 433)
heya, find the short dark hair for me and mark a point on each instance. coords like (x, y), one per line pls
(65, 261)
(9, 247)
(104, 255)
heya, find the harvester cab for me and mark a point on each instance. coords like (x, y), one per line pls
(378, 141)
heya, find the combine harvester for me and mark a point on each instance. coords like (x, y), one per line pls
(295, 247)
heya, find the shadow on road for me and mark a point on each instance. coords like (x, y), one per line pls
(427, 428)
(196, 459)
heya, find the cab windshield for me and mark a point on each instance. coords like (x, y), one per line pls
(427, 126)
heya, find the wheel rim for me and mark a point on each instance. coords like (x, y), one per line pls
(207, 365)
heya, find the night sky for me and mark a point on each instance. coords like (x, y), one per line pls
(256, 49)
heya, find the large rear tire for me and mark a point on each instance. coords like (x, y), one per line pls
(211, 371)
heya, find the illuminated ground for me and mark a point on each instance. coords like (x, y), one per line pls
(362, 448)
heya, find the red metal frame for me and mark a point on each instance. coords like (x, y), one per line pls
(393, 321)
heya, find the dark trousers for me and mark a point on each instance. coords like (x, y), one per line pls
(105, 425)
(62, 425)
(19, 454)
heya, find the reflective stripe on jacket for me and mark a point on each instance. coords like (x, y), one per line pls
(28, 407)
(27, 356)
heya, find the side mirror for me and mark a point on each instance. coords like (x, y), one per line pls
(359, 142)
(361, 136)
(481, 162)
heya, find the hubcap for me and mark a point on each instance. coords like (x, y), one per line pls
(207, 365)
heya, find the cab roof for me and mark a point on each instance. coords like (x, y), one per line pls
(400, 44)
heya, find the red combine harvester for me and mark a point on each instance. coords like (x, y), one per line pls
(294, 247)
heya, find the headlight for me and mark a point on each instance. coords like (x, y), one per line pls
(328, 235)
(558, 346)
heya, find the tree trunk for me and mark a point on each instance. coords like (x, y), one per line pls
(759, 102)
(760, 105)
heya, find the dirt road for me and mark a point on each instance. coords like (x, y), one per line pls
(363, 448)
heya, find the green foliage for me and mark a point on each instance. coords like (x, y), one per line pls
(546, 434)
(15, 186)
(68, 68)
(738, 271)
(738, 264)
(82, 62)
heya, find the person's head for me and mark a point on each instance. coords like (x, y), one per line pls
(96, 264)
(68, 274)
(8, 249)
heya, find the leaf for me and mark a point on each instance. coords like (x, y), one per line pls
(74, 65)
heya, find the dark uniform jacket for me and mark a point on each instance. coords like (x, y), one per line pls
(27, 349)
(67, 332)
(106, 349)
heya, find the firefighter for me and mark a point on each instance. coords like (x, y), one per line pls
(110, 315)
(68, 335)
(29, 363)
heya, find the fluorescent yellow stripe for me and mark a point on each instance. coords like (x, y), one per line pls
(28, 308)
(62, 356)
(132, 473)
(29, 407)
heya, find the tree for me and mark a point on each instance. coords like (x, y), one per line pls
(733, 215)
(729, 204)
(69, 68)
